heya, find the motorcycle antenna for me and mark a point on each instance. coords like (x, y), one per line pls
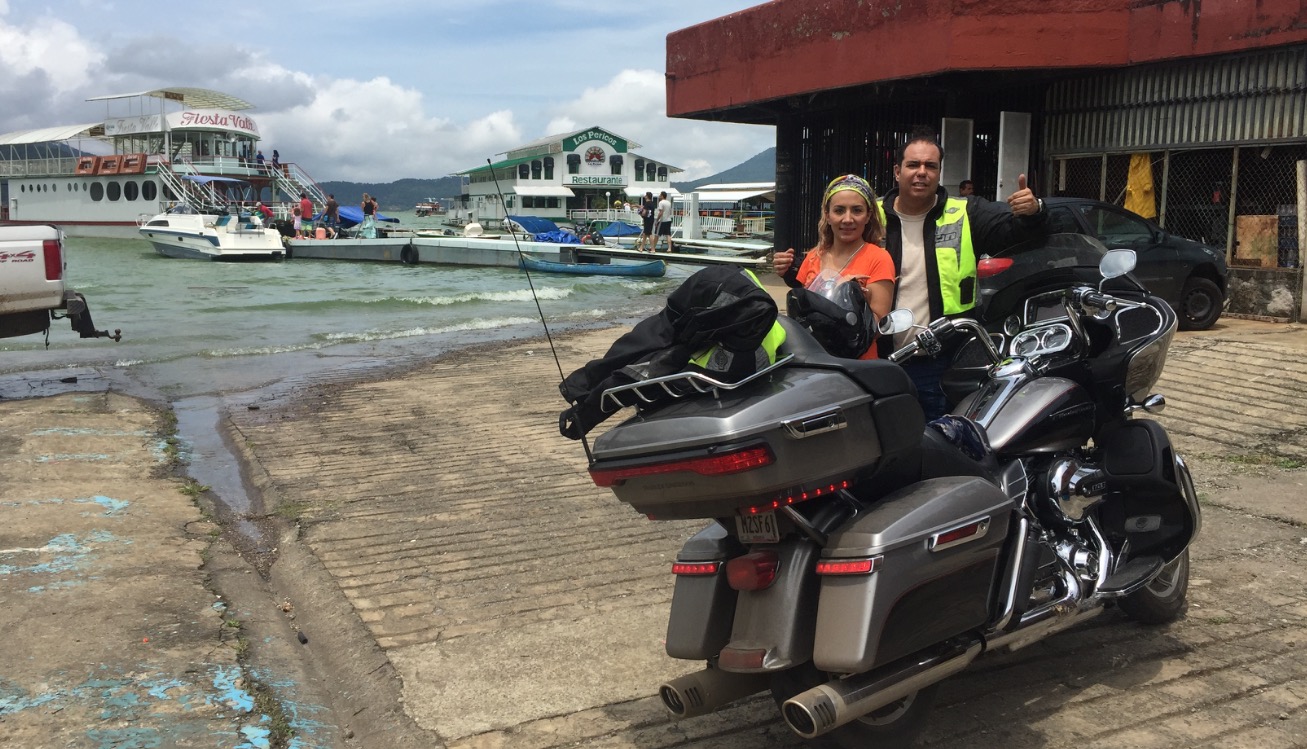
(585, 444)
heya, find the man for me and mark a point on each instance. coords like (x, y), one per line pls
(934, 241)
(663, 220)
(966, 188)
(331, 218)
(306, 208)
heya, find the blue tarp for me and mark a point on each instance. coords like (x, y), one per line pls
(351, 215)
(558, 236)
(534, 224)
(620, 229)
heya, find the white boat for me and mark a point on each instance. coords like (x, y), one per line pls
(96, 179)
(185, 233)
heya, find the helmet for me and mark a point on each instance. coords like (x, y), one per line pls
(840, 319)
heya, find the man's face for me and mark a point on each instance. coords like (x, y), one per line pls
(966, 189)
(918, 173)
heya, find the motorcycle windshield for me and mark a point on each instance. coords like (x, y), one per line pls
(1057, 261)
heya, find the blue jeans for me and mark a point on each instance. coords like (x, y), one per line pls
(926, 373)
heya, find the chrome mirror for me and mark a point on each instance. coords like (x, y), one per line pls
(898, 321)
(1117, 263)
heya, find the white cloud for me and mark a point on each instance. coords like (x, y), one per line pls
(49, 47)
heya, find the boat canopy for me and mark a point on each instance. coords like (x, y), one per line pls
(534, 224)
(351, 215)
(48, 134)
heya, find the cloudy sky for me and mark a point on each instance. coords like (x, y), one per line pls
(382, 90)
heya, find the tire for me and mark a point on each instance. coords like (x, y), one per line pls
(409, 255)
(1200, 304)
(1163, 600)
(894, 726)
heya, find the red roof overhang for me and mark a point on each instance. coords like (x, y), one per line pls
(792, 47)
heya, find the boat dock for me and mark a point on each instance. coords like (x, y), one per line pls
(488, 252)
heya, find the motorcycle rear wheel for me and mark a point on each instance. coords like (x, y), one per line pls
(1163, 600)
(894, 726)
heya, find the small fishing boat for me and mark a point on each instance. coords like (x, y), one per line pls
(650, 269)
(185, 233)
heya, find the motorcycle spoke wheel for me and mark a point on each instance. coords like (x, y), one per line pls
(1162, 600)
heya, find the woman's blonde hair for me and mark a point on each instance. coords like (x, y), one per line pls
(872, 232)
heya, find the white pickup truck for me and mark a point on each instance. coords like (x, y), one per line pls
(32, 291)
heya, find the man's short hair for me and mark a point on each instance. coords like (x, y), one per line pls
(964, 183)
(920, 134)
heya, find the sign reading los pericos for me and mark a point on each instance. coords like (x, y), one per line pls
(583, 180)
(572, 143)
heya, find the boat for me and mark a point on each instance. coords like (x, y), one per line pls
(650, 269)
(183, 232)
(96, 179)
(429, 207)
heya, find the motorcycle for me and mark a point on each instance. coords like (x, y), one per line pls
(857, 556)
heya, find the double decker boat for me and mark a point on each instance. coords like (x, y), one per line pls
(104, 179)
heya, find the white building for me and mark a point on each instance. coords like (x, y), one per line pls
(561, 177)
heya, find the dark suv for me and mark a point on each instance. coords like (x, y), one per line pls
(1189, 275)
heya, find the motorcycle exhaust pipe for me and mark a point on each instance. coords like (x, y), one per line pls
(828, 706)
(704, 691)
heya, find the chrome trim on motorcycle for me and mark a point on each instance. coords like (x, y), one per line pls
(1190, 494)
(821, 422)
(828, 706)
(981, 528)
(1013, 572)
(704, 691)
(697, 382)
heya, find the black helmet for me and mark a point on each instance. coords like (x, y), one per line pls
(841, 321)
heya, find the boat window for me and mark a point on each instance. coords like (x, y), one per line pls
(149, 191)
(614, 164)
(549, 167)
(115, 190)
(97, 191)
(574, 163)
(131, 190)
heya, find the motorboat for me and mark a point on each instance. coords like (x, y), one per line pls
(184, 232)
(649, 269)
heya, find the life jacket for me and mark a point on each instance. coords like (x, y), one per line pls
(954, 254)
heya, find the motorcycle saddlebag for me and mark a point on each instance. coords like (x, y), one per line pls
(937, 548)
(703, 606)
(818, 424)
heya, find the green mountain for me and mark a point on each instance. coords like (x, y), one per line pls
(402, 195)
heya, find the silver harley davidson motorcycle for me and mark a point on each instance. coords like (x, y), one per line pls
(856, 556)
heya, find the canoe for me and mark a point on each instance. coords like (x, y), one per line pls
(651, 269)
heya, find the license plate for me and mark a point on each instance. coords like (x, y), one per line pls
(758, 529)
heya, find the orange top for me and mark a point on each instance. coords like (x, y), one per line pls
(871, 263)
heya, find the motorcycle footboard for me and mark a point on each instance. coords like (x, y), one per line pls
(703, 604)
(923, 565)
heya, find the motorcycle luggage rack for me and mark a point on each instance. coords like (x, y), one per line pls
(678, 385)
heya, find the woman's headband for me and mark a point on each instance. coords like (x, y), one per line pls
(850, 182)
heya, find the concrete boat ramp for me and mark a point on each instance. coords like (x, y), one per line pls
(501, 252)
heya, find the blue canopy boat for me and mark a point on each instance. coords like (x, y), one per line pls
(650, 269)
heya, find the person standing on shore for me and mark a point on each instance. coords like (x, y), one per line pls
(664, 221)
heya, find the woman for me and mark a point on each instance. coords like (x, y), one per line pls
(847, 233)
(369, 227)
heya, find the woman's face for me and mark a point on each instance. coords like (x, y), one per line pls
(847, 214)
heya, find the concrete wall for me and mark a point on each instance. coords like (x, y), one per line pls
(1265, 292)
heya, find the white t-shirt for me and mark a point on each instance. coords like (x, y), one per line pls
(664, 211)
(913, 286)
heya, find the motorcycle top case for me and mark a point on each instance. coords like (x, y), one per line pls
(937, 546)
(818, 424)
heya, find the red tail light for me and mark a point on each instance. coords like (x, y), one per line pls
(756, 571)
(796, 497)
(696, 569)
(745, 459)
(848, 566)
(54, 259)
(992, 266)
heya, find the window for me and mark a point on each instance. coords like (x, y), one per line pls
(149, 190)
(651, 171)
(1060, 220)
(523, 171)
(574, 163)
(1116, 229)
(115, 190)
(131, 190)
(549, 167)
(639, 169)
(97, 191)
(551, 202)
(662, 174)
(614, 164)
(536, 168)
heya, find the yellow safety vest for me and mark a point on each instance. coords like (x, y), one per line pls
(955, 257)
(716, 358)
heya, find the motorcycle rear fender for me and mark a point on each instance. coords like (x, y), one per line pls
(1151, 499)
(778, 620)
(927, 587)
(703, 606)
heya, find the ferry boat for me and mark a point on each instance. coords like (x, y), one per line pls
(430, 207)
(103, 179)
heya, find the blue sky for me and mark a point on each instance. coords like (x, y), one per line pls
(401, 89)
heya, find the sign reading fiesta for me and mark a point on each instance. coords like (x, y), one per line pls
(216, 118)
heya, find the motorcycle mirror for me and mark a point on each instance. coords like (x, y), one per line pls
(1117, 263)
(898, 321)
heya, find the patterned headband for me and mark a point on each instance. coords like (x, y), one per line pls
(849, 182)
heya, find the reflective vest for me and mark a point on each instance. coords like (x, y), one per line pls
(717, 359)
(955, 257)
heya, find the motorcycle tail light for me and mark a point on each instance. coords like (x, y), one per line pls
(54, 259)
(796, 497)
(848, 566)
(696, 569)
(755, 571)
(736, 461)
(992, 266)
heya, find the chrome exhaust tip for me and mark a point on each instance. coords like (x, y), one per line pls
(704, 691)
(828, 706)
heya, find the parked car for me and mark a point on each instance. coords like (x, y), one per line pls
(1189, 275)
